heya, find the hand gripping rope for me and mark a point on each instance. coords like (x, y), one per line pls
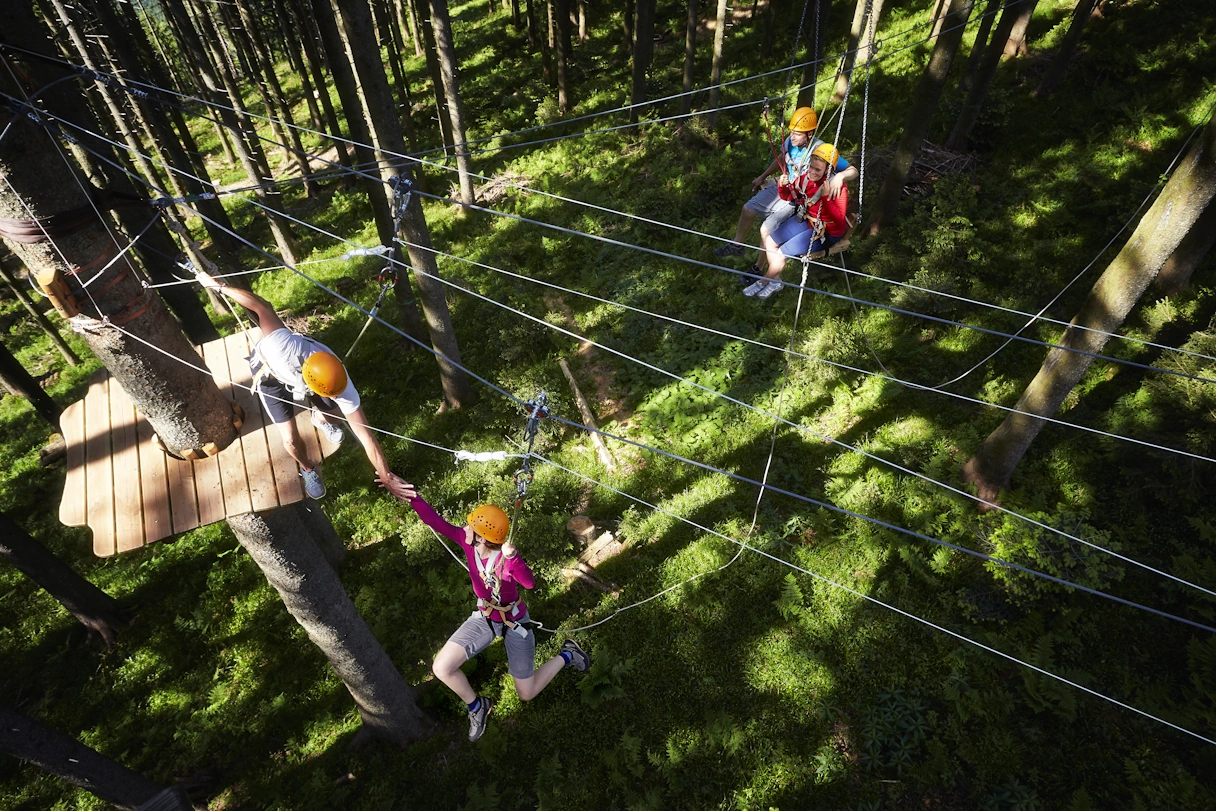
(403, 190)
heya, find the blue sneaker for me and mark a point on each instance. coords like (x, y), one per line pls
(313, 485)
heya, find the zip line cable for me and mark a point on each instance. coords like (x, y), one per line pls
(726, 397)
(828, 581)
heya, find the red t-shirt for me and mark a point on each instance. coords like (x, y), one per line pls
(832, 212)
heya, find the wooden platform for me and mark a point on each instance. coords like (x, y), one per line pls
(131, 493)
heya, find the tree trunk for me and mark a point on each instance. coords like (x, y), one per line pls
(332, 123)
(690, 57)
(1159, 236)
(530, 19)
(446, 51)
(19, 381)
(72, 761)
(184, 408)
(95, 609)
(246, 143)
(456, 389)
(297, 63)
(715, 73)
(643, 51)
(436, 74)
(1016, 44)
(564, 54)
(582, 19)
(938, 16)
(768, 29)
(1059, 63)
(402, 104)
(970, 112)
(812, 55)
(919, 117)
(979, 46)
(861, 35)
(405, 10)
(43, 322)
(280, 543)
(627, 19)
(1175, 275)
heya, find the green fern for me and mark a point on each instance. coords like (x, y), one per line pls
(790, 602)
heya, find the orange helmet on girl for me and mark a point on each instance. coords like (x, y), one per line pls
(490, 522)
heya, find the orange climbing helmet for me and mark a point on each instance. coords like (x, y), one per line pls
(490, 522)
(325, 374)
(826, 153)
(804, 120)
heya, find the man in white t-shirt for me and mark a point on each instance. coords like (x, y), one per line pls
(292, 370)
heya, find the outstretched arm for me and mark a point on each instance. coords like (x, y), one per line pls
(375, 454)
(267, 318)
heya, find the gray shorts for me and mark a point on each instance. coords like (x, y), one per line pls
(768, 203)
(475, 635)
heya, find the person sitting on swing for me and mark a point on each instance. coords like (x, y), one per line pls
(791, 164)
(497, 572)
(292, 370)
(823, 225)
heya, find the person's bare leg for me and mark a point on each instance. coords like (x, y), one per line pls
(446, 668)
(746, 218)
(530, 688)
(294, 444)
(776, 259)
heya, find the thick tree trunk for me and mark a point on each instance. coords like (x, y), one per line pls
(245, 140)
(1175, 275)
(436, 75)
(17, 380)
(184, 408)
(280, 543)
(456, 389)
(72, 761)
(95, 609)
(643, 50)
(715, 73)
(919, 117)
(1015, 45)
(445, 48)
(979, 46)
(43, 322)
(974, 102)
(1059, 63)
(1157, 238)
(861, 35)
(690, 57)
(564, 55)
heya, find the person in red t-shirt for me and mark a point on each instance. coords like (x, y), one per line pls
(823, 227)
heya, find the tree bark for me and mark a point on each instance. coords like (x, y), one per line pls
(715, 73)
(94, 609)
(974, 102)
(564, 55)
(1016, 43)
(919, 117)
(313, 58)
(1059, 63)
(1175, 275)
(627, 19)
(72, 761)
(19, 381)
(43, 322)
(445, 48)
(436, 74)
(643, 50)
(768, 29)
(405, 10)
(861, 35)
(582, 19)
(530, 19)
(979, 46)
(388, 33)
(938, 16)
(1158, 237)
(294, 56)
(690, 57)
(282, 546)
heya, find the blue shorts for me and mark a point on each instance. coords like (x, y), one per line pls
(794, 237)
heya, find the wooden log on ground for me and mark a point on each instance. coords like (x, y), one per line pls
(588, 418)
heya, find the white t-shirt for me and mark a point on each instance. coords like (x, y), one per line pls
(284, 353)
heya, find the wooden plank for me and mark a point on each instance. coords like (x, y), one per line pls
(128, 499)
(232, 458)
(98, 473)
(154, 484)
(258, 466)
(183, 502)
(207, 482)
(73, 507)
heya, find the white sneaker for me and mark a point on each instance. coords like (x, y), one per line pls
(755, 287)
(331, 431)
(772, 287)
(313, 485)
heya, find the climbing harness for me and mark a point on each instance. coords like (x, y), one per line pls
(403, 190)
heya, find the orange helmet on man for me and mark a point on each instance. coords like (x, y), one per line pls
(324, 374)
(490, 522)
(804, 120)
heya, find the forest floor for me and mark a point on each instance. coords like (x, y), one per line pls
(762, 686)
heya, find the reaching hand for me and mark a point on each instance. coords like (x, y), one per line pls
(205, 279)
(397, 486)
(757, 183)
(833, 186)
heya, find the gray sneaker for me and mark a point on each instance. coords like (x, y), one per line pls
(312, 483)
(332, 432)
(579, 660)
(755, 287)
(772, 287)
(723, 251)
(477, 720)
